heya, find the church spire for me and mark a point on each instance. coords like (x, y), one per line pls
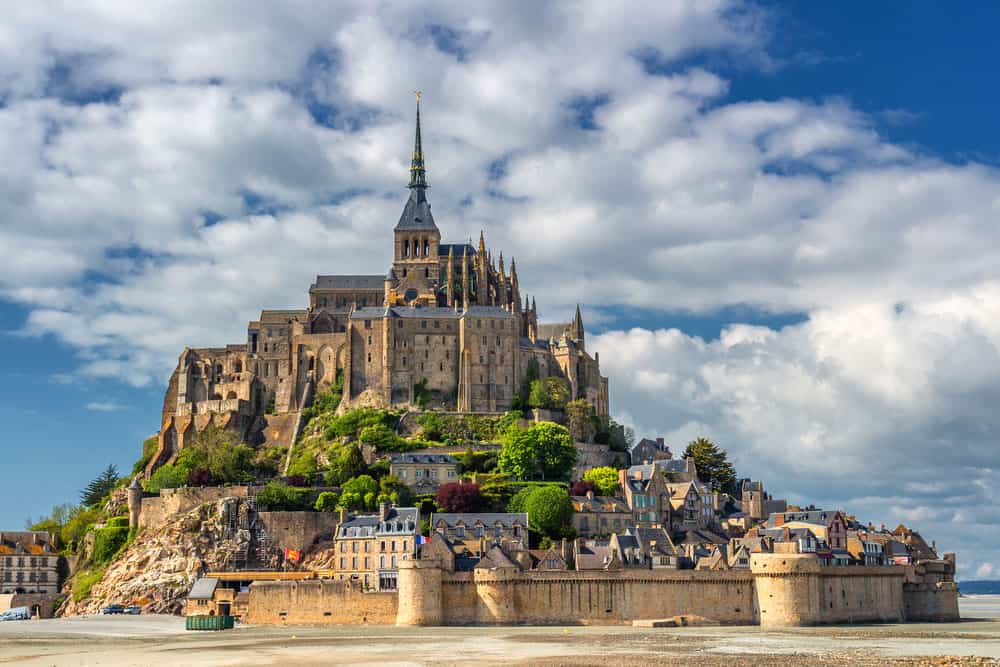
(418, 175)
(576, 329)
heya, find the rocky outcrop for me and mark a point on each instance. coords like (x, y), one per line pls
(157, 570)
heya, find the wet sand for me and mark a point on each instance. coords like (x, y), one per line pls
(153, 640)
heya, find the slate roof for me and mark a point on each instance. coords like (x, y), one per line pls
(416, 213)
(599, 504)
(505, 519)
(819, 517)
(703, 537)
(553, 330)
(423, 458)
(460, 249)
(348, 282)
(399, 520)
(203, 589)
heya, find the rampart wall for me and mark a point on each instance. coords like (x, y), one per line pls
(318, 601)
(156, 510)
(779, 590)
(298, 530)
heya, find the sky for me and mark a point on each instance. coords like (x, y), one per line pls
(780, 219)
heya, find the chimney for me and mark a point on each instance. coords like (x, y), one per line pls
(383, 511)
(660, 442)
(342, 515)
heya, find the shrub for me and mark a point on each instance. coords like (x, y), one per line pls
(345, 462)
(381, 437)
(278, 497)
(478, 462)
(169, 476)
(107, 543)
(519, 502)
(393, 489)
(455, 497)
(84, 581)
(117, 522)
(604, 478)
(327, 501)
(549, 510)
(431, 426)
(350, 423)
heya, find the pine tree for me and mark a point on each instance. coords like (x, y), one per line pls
(713, 465)
(100, 486)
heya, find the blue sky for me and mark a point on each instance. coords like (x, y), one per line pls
(778, 218)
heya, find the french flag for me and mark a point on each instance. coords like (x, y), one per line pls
(422, 540)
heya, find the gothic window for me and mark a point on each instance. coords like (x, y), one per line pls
(406, 248)
(427, 273)
(427, 248)
(404, 362)
(369, 357)
(238, 367)
(498, 340)
(484, 340)
(399, 324)
(368, 324)
(441, 366)
(369, 340)
(404, 273)
(312, 363)
(427, 339)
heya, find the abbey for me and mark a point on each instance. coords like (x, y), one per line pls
(444, 323)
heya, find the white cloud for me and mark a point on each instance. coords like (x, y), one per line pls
(104, 406)
(166, 178)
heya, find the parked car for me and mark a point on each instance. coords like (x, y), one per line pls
(114, 609)
(133, 609)
(16, 614)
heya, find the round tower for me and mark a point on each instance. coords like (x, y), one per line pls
(495, 590)
(419, 586)
(787, 587)
(134, 503)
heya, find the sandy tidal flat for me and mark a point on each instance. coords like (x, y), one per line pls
(162, 640)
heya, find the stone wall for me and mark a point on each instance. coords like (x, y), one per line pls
(40, 604)
(157, 510)
(779, 590)
(320, 601)
(298, 530)
(508, 597)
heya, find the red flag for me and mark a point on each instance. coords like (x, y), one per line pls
(293, 555)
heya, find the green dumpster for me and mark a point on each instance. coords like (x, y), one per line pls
(209, 622)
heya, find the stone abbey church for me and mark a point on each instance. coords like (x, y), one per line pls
(445, 318)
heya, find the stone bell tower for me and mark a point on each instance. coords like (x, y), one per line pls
(415, 253)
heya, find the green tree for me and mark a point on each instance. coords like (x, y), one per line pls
(393, 489)
(713, 465)
(345, 462)
(380, 436)
(605, 478)
(100, 486)
(327, 501)
(519, 503)
(362, 488)
(549, 510)
(544, 449)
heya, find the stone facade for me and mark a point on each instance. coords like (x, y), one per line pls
(424, 473)
(29, 563)
(444, 324)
